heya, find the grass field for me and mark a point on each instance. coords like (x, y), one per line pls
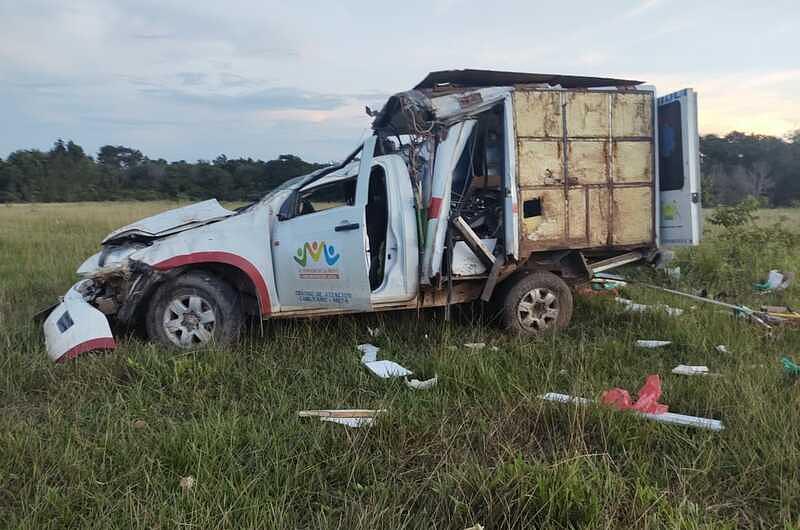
(103, 442)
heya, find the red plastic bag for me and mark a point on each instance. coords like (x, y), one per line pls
(648, 397)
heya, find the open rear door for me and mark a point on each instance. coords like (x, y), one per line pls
(679, 169)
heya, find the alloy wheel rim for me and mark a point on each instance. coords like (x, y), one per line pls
(538, 309)
(189, 321)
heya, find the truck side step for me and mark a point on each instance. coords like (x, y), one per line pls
(616, 261)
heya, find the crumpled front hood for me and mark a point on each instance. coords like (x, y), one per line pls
(172, 221)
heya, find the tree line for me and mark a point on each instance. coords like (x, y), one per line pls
(733, 167)
(738, 165)
(66, 173)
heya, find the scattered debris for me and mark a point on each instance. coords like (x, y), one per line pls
(354, 418)
(781, 315)
(776, 281)
(354, 423)
(663, 258)
(647, 401)
(607, 284)
(475, 527)
(374, 332)
(790, 367)
(382, 369)
(630, 305)
(673, 273)
(416, 384)
(475, 345)
(588, 291)
(685, 369)
(652, 343)
(139, 424)
(186, 483)
(666, 417)
(739, 310)
(721, 348)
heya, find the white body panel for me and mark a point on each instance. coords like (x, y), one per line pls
(173, 220)
(511, 207)
(679, 208)
(74, 327)
(241, 241)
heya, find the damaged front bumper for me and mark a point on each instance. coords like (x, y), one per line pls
(74, 326)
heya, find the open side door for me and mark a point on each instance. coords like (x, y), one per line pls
(320, 255)
(680, 219)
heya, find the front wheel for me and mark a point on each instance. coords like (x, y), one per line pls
(537, 303)
(193, 311)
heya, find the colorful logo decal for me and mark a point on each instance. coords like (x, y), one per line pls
(315, 250)
(670, 211)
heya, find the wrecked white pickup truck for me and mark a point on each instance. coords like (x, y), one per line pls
(498, 186)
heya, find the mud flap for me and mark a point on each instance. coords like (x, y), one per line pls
(75, 327)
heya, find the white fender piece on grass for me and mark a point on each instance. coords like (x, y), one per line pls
(382, 369)
(666, 417)
(75, 327)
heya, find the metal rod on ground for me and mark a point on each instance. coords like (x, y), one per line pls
(736, 308)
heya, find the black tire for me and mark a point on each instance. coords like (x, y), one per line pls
(193, 311)
(536, 303)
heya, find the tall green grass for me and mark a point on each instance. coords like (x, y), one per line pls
(478, 448)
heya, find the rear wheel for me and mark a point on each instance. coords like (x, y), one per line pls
(537, 303)
(193, 311)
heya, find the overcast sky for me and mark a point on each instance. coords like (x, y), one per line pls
(188, 79)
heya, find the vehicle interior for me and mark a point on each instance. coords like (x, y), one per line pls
(477, 188)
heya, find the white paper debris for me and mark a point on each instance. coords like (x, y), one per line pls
(666, 417)
(652, 343)
(370, 352)
(774, 279)
(685, 369)
(475, 345)
(373, 332)
(721, 348)
(387, 369)
(350, 422)
(673, 272)
(382, 369)
(416, 384)
(630, 305)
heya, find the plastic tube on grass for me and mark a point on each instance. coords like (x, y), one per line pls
(666, 417)
(652, 343)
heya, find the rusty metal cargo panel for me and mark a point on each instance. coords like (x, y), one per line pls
(632, 162)
(585, 168)
(587, 161)
(538, 114)
(587, 114)
(543, 162)
(632, 214)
